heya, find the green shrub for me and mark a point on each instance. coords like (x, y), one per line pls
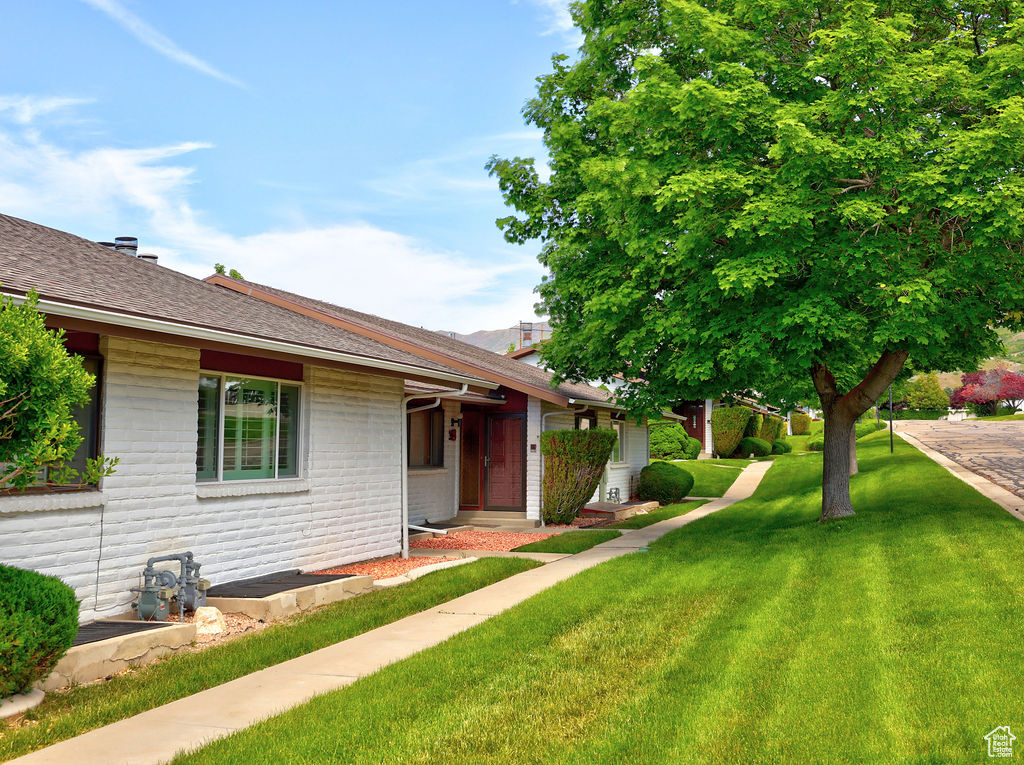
(771, 427)
(692, 448)
(38, 623)
(667, 441)
(573, 463)
(919, 414)
(867, 428)
(801, 423)
(727, 426)
(816, 443)
(782, 446)
(754, 425)
(756, 446)
(664, 482)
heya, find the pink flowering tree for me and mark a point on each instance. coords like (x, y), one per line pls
(987, 389)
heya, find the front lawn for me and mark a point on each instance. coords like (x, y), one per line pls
(711, 478)
(662, 514)
(570, 542)
(1000, 418)
(78, 709)
(755, 634)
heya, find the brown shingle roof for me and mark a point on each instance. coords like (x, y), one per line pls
(485, 363)
(65, 268)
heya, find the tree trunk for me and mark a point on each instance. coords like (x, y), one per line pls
(853, 451)
(840, 412)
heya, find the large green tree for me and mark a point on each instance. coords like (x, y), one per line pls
(766, 193)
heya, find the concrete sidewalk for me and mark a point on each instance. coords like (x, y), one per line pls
(157, 735)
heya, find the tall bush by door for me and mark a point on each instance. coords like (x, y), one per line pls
(801, 423)
(38, 623)
(573, 463)
(728, 424)
(771, 427)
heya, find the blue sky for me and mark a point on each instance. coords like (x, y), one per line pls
(332, 148)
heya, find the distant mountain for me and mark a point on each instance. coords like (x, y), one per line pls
(498, 340)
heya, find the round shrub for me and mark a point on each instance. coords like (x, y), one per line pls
(573, 463)
(782, 446)
(727, 426)
(38, 623)
(664, 483)
(801, 423)
(692, 448)
(816, 443)
(668, 441)
(756, 446)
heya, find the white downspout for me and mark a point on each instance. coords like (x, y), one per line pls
(405, 459)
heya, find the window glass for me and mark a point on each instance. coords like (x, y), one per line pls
(426, 438)
(288, 432)
(209, 428)
(620, 448)
(250, 428)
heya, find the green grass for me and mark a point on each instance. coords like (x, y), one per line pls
(663, 514)
(571, 541)
(711, 478)
(1001, 417)
(68, 713)
(754, 634)
(799, 443)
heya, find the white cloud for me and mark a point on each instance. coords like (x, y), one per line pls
(158, 41)
(105, 192)
(25, 109)
(558, 21)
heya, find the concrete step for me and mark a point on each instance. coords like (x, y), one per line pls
(482, 519)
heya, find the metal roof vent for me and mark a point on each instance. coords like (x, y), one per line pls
(129, 245)
(149, 257)
(106, 244)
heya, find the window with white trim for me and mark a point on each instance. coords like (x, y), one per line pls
(248, 428)
(619, 452)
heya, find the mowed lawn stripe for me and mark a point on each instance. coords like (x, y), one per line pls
(754, 634)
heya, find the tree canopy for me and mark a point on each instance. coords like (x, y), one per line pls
(767, 194)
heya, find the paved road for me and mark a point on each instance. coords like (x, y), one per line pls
(991, 449)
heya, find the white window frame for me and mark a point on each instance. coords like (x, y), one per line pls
(300, 451)
(619, 426)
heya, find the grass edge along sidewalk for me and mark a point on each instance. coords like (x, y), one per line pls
(240, 703)
(755, 634)
(68, 713)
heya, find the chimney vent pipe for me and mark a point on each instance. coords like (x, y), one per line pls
(129, 245)
(149, 257)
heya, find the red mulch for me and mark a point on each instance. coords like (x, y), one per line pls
(579, 522)
(384, 568)
(498, 541)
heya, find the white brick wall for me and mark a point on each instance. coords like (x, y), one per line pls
(433, 492)
(533, 414)
(350, 509)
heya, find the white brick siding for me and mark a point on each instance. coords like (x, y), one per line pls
(348, 509)
(533, 414)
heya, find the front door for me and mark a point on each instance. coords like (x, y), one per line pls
(505, 462)
(693, 414)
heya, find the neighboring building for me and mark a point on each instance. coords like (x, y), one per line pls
(695, 416)
(265, 431)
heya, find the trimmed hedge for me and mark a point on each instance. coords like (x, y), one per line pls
(38, 623)
(574, 461)
(816, 443)
(801, 423)
(782, 446)
(756, 446)
(671, 442)
(727, 426)
(754, 425)
(771, 428)
(664, 482)
(918, 414)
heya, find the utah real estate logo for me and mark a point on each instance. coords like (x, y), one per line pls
(1000, 742)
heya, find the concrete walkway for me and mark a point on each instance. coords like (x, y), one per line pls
(157, 735)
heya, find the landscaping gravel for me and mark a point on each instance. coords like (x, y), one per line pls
(383, 568)
(496, 541)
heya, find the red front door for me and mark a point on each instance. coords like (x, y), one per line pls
(504, 462)
(693, 412)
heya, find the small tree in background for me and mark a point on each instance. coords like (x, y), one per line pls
(925, 392)
(573, 463)
(41, 384)
(986, 389)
